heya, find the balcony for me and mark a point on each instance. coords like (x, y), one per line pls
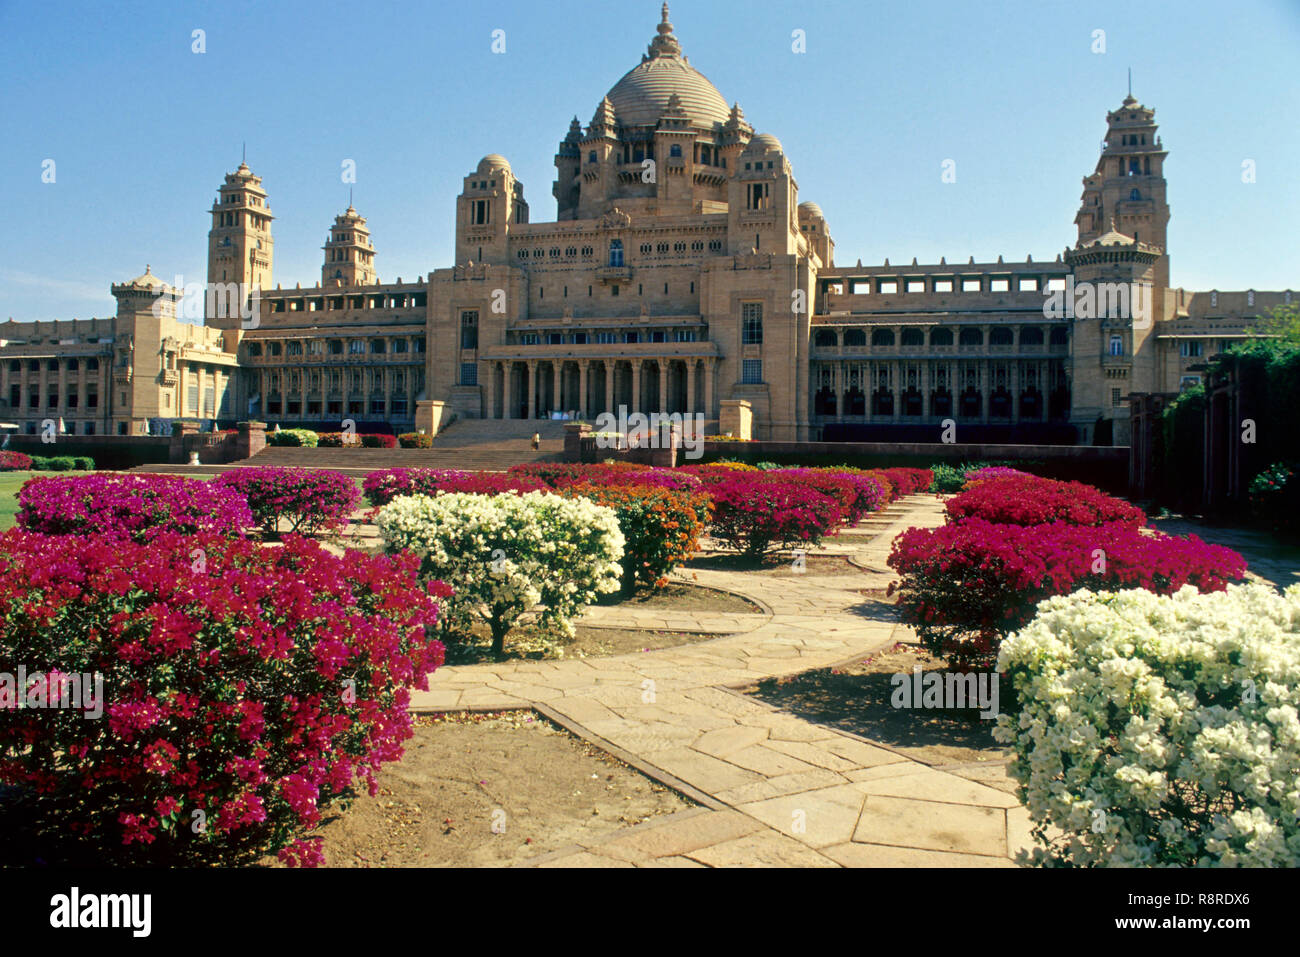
(614, 274)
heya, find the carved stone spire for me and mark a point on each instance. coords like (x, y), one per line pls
(665, 44)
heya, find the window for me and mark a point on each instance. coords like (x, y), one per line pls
(616, 252)
(606, 338)
(751, 371)
(1117, 345)
(882, 337)
(970, 337)
(825, 339)
(356, 346)
(469, 373)
(631, 337)
(941, 337)
(1056, 284)
(916, 285)
(675, 151)
(751, 323)
(887, 287)
(685, 335)
(1000, 336)
(1000, 285)
(943, 285)
(855, 337)
(469, 331)
(912, 337)
(970, 285)
(1031, 336)
(757, 195)
(1028, 285)
(530, 339)
(1116, 398)
(377, 347)
(555, 338)
(1190, 348)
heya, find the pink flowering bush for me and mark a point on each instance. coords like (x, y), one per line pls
(992, 472)
(1029, 500)
(559, 474)
(754, 513)
(309, 501)
(14, 461)
(383, 486)
(910, 481)
(135, 507)
(247, 690)
(966, 585)
(857, 493)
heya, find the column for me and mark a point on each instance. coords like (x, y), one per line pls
(532, 388)
(691, 366)
(492, 390)
(557, 372)
(710, 367)
(925, 388)
(1013, 382)
(663, 385)
(582, 387)
(636, 387)
(609, 368)
(896, 386)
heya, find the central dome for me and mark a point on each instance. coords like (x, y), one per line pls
(642, 96)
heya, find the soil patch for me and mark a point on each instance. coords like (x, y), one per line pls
(776, 566)
(679, 597)
(491, 791)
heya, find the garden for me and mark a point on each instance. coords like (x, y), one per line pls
(273, 642)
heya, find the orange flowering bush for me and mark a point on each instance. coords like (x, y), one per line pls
(661, 527)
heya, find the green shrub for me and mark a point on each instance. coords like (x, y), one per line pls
(293, 438)
(62, 463)
(83, 463)
(416, 440)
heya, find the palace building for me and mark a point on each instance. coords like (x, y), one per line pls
(681, 273)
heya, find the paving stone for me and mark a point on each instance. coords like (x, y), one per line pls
(904, 822)
(725, 741)
(678, 837)
(816, 818)
(765, 848)
(585, 859)
(711, 775)
(883, 855)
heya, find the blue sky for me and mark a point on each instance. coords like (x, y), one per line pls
(142, 129)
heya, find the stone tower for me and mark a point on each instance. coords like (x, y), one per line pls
(239, 243)
(490, 203)
(349, 253)
(1126, 193)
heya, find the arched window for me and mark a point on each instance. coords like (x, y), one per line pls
(825, 339)
(675, 151)
(941, 337)
(616, 252)
(971, 337)
(855, 337)
(912, 337)
(591, 157)
(1134, 195)
(1031, 336)
(1000, 336)
(1059, 336)
(882, 337)
(469, 330)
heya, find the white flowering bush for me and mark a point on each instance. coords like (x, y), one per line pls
(1155, 730)
(505, 555)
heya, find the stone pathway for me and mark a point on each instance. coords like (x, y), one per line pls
(1269, 559)
(776, 790)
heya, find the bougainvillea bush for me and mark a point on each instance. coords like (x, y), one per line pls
(661, 527)
(1029, 500)
(753, 513)
(556, 474)
(966, 585)
(910, 481)
(247, 688)
(992, 472)
(307, 500)
(14, 461)
(857, 493)
(1155, 731)
(130, 507)
(383, 486)
(506, 554)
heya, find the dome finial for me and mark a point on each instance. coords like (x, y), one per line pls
(665, 44)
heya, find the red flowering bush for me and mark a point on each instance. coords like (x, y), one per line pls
(1029, 500)
(246, 689)
(355, 440)
(383, 486)
(753, 513)
(910, 481)
(838, 487)
(415, 440)
(130, 506)
(556, 474)
(661, 527)
(310, 501)
(966, 585)
(14, 461)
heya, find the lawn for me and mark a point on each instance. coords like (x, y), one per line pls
(10, 483)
